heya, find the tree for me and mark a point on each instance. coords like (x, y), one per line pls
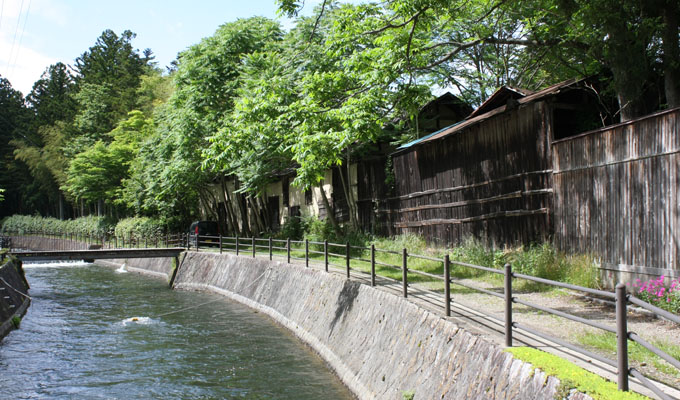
(206, 81)
(15, 178)
(108, 77)
(98, 173)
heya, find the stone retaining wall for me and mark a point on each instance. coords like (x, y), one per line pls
(380, 345)
(13, 302)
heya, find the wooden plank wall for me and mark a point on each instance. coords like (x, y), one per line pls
(616, 192)
(491, 181)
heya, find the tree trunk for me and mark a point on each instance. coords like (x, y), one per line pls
(329, 211)
(348, 197)
(257, 215)
(228, 207)
(61, 207)
(671, 52)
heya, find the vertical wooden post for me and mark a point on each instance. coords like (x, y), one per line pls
(271, 246)
(447, 285)
(508, 305)
(325, 254)
(236, 244)
(372, 264)
(253, 246)
(347, 249)
(622, 336)
(404, 271)
(198, 241)
(307, 253)
(220, 243)
(288, 249)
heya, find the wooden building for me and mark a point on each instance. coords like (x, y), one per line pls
(489, 176)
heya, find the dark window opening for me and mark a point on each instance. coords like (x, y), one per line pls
(286, 191)
(308, 197)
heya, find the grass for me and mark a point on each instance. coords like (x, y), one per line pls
(572, 376)
(538, 260)
(606, 341)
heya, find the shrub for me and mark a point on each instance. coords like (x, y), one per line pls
(138, 227)
(293, 228)
(22, 224)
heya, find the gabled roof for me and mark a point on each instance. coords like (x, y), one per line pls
(499, 98)
(452, 129)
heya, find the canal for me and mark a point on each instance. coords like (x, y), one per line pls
(92, 332)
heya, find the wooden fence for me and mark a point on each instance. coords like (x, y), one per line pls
(616, 193)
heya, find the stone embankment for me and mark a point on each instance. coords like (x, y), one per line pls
(381, 345)
(14, 300)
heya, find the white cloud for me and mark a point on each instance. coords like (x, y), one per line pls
(25, 65)
(20, 64)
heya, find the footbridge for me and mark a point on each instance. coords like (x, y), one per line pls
(99, 254)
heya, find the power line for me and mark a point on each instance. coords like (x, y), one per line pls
(2, 11)
(21, 38)
(16, 29)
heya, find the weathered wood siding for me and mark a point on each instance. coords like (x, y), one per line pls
(490, 180)
(616, 192)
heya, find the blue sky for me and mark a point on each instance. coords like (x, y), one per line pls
(37, 33)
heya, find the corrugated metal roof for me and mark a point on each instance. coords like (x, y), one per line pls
(414, 142)
(500, 95)
(549, 91)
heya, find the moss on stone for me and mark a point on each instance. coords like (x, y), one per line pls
(572, 376)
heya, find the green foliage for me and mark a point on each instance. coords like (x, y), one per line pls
(408, 394)
(98, 172)
(542, 261)
(16, 321)
(572, 376)
(15, 177)
(139, 227)
(26, 224)
(293, 228)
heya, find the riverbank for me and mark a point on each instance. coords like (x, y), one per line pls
(379, 344)
(14, 300)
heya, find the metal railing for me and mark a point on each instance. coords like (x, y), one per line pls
(324, 252)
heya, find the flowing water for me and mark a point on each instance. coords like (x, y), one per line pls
(95, 333)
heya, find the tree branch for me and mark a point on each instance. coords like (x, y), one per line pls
(403, 24)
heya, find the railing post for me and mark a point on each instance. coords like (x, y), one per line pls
(447, 285)
(307, 253)
(325, 253)
(347, 249)
(508, 305)
(253, 246)
(271, 246)
(372, 264)
(115, 241)
(404, 271)
(220, 243)
(622, 336)
(236, 244)
(288, 249)
(198, 241)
